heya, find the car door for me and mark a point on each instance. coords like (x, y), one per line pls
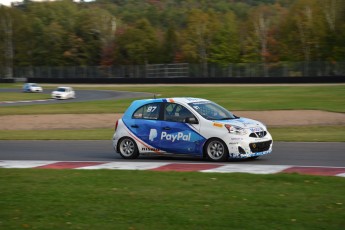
(69, 93)
(177, 135)
(146, 125)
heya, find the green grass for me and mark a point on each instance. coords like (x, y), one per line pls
(300, 133)
(111, 199)
(90, 107)
(309, 133)
(327, 97)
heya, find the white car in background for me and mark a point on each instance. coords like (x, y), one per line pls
(32, 88)
(63, 92)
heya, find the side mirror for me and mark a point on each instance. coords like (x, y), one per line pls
(191, 120)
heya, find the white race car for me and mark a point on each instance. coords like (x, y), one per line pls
(63, 93)
(192, 126)
(32, 88)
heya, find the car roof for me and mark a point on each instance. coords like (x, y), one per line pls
(180, 100)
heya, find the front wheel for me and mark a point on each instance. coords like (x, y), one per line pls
(216, 150)
(128, 148)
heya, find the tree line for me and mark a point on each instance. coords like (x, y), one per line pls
(139, 32)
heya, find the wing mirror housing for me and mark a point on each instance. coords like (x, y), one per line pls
(191, 120)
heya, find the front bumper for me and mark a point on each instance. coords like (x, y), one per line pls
(58, 97)
(246, 147)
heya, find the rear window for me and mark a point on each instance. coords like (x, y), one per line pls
(149, 111)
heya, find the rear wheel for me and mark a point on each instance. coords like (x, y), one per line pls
(128, 148)
(216, 150)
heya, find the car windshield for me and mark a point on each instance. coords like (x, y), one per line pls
(211, 111)
(61, 90)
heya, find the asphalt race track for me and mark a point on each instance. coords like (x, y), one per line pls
(284, 153)
(308, 154)
(81, 95)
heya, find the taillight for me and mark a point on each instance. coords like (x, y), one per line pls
(116, 124)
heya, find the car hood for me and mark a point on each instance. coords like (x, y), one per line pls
(243, 122)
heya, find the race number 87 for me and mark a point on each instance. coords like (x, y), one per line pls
(150, 109)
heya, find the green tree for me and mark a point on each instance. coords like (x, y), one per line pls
(6, 41)
(137, 44)
(303, 33)
(225, 46)
(170, 46)
(198, 37)
(94, 30)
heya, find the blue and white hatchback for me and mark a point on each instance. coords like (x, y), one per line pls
(189, 126)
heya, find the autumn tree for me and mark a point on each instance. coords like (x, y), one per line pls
(198, 36)
(261, 38)
(94, 32)
(136, 44)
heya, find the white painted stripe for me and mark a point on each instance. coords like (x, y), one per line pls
(341, 174)
(127, 165)
(246, 168)
(24, 101)
(12, 102)
(24, 164)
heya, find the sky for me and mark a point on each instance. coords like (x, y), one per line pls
(8, 2)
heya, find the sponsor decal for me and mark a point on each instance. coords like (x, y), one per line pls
(218, 125)
(192, 99)
(176, 137)
(153, 134)
(236, 139)
(256, 129)
(149, 149)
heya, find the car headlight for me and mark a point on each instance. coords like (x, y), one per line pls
(235, 130)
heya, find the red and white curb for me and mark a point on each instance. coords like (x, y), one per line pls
(182, 167)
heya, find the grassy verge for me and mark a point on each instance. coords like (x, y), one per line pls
(328, 98)
(300, 133)
(110, 199)
(90, 107)
(9, 96)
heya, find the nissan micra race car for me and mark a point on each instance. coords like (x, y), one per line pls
(192, 126)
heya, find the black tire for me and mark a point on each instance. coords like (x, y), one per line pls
(216, 150)
(128, 148)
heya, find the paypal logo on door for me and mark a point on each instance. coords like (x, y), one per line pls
(153, 134)
(169, 137)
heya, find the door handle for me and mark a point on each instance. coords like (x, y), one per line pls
(134, 126)
(167, 128)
